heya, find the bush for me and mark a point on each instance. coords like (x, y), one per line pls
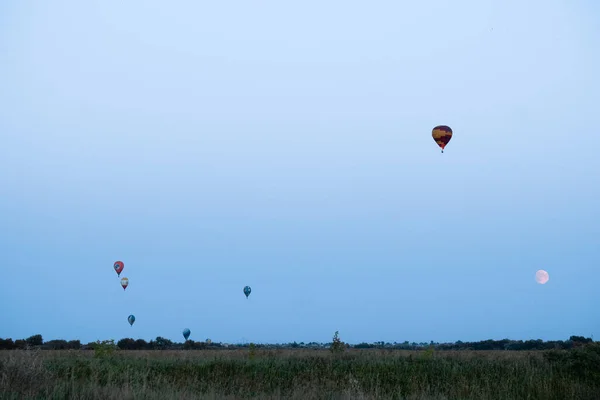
(105, 348)
(581, 362)
(251, 351)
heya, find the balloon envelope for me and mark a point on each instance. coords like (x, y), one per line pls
(542, 277)
(247, 291)
(125, 283)
(186, 333)
(118, 266)
(131, 319)
(442, 135)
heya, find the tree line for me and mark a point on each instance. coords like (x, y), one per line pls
(160, 343)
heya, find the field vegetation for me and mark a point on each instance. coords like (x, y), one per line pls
(106, 371)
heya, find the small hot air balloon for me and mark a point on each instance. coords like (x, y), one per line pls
(119, 267)
(442, 135)
(247, 291)
(186, 333)
(124, 283)
(131, 319)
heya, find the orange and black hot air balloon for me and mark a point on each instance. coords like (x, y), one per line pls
(442, 135)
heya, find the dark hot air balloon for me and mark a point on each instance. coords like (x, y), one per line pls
(442, 135)
(186, 333)
(131, 319)
(247, 291)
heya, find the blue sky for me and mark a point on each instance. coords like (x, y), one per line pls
(287, 146)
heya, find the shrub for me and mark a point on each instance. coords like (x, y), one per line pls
(105, 348)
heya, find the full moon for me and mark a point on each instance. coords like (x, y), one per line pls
(541, 276)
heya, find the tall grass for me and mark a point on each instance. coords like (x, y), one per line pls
(301, 374)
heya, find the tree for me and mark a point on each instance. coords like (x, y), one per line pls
(162, 343)
(20, 344)
(580, 339)
(74, 344)
(35, 340)
(126, 344)
(337, 346)
(55, 345)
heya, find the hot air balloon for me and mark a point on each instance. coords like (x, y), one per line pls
(442, 135)
(119, 267)
(124, 283)
(186, 333)
(247, 291)
(131, 319)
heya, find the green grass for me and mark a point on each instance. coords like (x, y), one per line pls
(301, 374)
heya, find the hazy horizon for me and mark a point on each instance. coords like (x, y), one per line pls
(288, 147)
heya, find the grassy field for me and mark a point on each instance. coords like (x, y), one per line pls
(301, 374)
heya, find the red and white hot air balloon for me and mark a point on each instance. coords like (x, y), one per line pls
(119, 267)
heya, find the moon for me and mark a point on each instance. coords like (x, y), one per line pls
(541, 277)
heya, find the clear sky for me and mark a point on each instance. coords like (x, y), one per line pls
(287, 146)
